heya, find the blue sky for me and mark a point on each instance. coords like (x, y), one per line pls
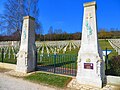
(68, 14)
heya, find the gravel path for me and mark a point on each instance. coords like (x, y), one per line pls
(11, 83)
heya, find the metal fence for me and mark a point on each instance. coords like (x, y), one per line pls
(55, 63)
(60, 64)
(7, 56)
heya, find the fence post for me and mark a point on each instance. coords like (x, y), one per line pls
(2, 54)
(54, 62)
(106, 58)
(36, 61)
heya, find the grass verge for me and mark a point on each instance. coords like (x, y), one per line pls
(49, 79)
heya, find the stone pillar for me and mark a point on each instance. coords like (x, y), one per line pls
(90, 68)
(26, 57)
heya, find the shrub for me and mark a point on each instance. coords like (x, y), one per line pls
(115, 65)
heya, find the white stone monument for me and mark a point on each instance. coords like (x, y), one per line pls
(26, 57)
(90, 68)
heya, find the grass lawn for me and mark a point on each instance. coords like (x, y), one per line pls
(105, 44)
(49, 79)
(7, 60)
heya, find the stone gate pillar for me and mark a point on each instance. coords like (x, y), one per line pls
(26, 58)
(90, 69)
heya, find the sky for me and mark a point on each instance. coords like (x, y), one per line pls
(68, 14)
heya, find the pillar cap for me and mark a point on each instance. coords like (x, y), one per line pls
(90, 4)
(28, 17)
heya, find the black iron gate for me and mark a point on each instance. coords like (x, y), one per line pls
(60, 64)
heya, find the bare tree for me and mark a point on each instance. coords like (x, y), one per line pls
(12, 18)
(50, 32)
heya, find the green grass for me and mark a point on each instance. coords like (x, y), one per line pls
(11, 60)
(49, 79)
(73, 51)
(105, 44)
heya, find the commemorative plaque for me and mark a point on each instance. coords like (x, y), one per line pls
(88, 65)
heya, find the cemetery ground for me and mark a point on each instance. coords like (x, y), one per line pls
(67, 59)
(10, 54)
(41, 81)
(13, 83)
(42, 78)
(51, 79)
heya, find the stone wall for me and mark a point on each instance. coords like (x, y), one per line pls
(113, 80)
(7, 66)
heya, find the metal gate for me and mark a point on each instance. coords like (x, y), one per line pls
(60, 64)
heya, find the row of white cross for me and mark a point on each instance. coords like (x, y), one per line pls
(57, 46)
(54, 47)
(8, 51)
(115, 43)
(47, 47)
